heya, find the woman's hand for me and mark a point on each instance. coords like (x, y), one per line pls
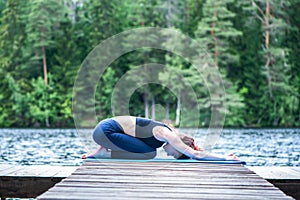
(231, 157)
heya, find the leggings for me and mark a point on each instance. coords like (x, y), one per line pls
(110, 135)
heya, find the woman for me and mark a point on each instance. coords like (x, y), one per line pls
(128, 137)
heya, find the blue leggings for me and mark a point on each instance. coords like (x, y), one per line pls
(109, 134)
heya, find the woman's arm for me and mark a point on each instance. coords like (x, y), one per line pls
(173, 139)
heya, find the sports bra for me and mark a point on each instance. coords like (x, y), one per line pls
(143, 131)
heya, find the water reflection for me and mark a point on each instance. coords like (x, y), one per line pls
(268, 147)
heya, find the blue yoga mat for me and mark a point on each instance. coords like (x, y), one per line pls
(172, 161)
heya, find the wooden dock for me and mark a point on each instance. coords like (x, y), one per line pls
(108, 179)
(31, 181)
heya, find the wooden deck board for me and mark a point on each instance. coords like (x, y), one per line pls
(185, 191)
(5, 167)
(153, 195)
(277, 172)
(297, 169)
(37, 171)
(11, 169)
(65, 171)
(34, 170)
(159, 180)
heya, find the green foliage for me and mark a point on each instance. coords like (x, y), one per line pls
(41, 102)
(258, 60)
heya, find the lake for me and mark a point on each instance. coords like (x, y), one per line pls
(258, 147)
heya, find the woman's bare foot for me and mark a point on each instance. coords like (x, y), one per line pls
(101, 152)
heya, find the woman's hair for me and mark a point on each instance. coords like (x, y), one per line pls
(189, 142)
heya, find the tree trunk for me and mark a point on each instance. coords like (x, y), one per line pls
(275, 121)
(299, 111)
(167, 110)
(153, 108)
(267, 41)
(45, 66)
(216, 52)
(168, 15)
(146, 106)
(177, 121)
(47, 122)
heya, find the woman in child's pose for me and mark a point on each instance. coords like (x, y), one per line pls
(128, 137)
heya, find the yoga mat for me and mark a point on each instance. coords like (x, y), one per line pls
(170, 160)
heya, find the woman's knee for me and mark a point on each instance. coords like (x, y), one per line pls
(98, 134)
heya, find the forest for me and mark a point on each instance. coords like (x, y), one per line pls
(254, 44)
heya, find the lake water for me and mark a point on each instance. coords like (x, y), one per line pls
(258, 147)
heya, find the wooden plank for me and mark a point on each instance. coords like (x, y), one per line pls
(142, 195)
(199, 176)
(39, 171)
(66, 171)
(31, 171)
(170, 181)
(182, 185)
(164, 185)
(50, 171)
(296, 169)
(11, 169)
(276, 172)
(58, 171)
(175, 184)
(167, 190)
(5, 167)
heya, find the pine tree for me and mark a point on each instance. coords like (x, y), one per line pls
(2, 7)
(293, 41)
(42, 24)
(247, 72)
(12, 40)
(65, 59)
(279, 93)
(215, 30)
(191, 15)
(103, 19)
